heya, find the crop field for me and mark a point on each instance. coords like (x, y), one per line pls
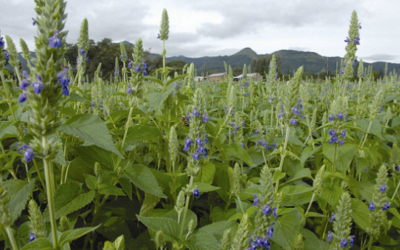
(150, 161)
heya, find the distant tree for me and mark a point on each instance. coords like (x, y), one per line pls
(176, 65)
(237, 71)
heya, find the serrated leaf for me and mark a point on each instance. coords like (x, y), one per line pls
(42, 244)
(204, 187)
(141, 133)
(375, 129)
(143, 178)
(344, 155)
(109, 189)
(23, 233)
(202, 240)
(168, 226)
(207, 173)
(218, 228)
(360, 214)
(7, 130)
(69, 198)
(150, 201)
(312, 242)
(126, 186)
(286, 229)
(156, 99)
(74, 234)
(92, 129)
(19, 193)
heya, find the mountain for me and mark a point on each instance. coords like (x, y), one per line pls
(291, 60)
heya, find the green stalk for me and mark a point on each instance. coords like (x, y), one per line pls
(309, 206)
(11, 237)
(50, 192)
(395, 192)
(283, 154)
(186, 208)
(364, 139)
(126, 128)
(3, 80)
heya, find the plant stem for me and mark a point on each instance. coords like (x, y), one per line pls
(126, 128)
(3, 80)
(366, 135)
(50, 192)
(283, 154)
(309, 205)
(186, 207)
(11, 238)
(395, 192)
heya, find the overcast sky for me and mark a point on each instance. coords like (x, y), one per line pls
(212, 28)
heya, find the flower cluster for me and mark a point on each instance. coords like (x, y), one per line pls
(334, 137)
(64, 81)
(137, 69)
(28, 154)
(2, 43)
(37, 86)
(267, 146)
(260, 242)
(386, 206)
(344, 241)
(338, 116)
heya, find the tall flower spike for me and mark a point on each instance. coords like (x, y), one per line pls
(164, 28)
(342, 222)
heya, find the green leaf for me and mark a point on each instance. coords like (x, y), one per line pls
(154, 79)
(204, 187)
(360, 214)
(312, 242)
(286, 229)
(202, 240)
(150, 201)
(68, 198)
(126, 186)
(344, 155)
(176, 79)
(92, 129)
(303, 173)
(168, 226)
(42, 244)
(156, 99)
(307, 152)
(296, 195)
(331, 195)
(74, 234)
(77, 98)
(238, 152)
(109, 189)
(23, 233)
(7, 130)
(278, 175)
(207, 173)
(218, 228)
(19, 193)
(375, 129)
(143, 178)
(141, 133)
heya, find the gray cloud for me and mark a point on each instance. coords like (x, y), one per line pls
(380, 57)
(256, 16)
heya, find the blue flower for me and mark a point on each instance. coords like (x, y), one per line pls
(383, 188)
(341, 142)
(37, 87)
(242, 123)
(206, 139)
(54, 41)
(386, 206)
(33, 21)
(256, 132)
(371, 206)
(145, 73)
(32, 237)
(293, 121)
(255, 202)
(234, 132)
(199, 141)
(82, 51)
(332, 132)
(359, 25)
(196, 193)
(329, 238)
(266, 210)
(343, 243)
(129, 90)
(196, 156)
(332, 218)
(7, 55)
(2, 43)
(347, 40)
(270, 231)
(205, 118)
(343, 134)
(242, 145)
(158, 36)
(130, 64)
(340, 115)
(352, 240)
(136, 69)
(144, 65)
(24, 84)
(188, 142)
(357, 40)
(195, 112)
(331, 117)
(28, 154)
(275, 212)
(22, 98)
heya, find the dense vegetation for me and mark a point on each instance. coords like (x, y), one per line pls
(146, 159)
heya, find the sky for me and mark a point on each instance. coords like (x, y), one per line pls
(213, 28)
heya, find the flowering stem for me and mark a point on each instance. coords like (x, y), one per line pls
(50, 194)
(309, 206)
(11, 237)
(3, 80)
(126, 128)
(395, 192)
(366, 135)
(283, 154)
(186, 207)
